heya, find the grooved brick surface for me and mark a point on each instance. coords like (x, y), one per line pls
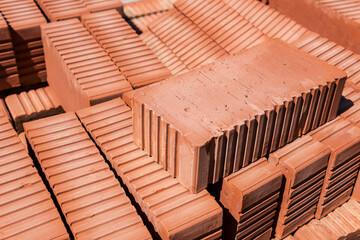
(216, 19)
(130, 54)
(146, 7)
(26, 208)
(80, 72)
(344, 163)
(337, 20)
(31, 105)
(201, 143)
(141, 22)
(252, 196)
(342, 223)
(174, 212)
(304, 164)
(91, 198)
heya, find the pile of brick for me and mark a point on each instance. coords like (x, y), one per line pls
(22, 54)
(203, 127)
(61, 10)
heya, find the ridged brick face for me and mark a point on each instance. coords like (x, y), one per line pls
(80, 72)
(343, 164)
(174, 212)
(252, 196)
(304, 164)
(26, 208)
(130, 54)
(201, 143)
(91, 198)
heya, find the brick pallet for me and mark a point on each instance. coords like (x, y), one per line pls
(344, 163)
(252, 196)
(80, 72)
(303, 163)
(174, 212)
(26, 208)
(337, 20)
(133, 58)
(238, 130)
(31, 105)
(91, 198)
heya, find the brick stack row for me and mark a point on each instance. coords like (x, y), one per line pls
(25, 63)
(242, 124)
(91, 198)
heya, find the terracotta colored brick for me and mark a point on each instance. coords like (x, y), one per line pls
(342, 223)
(130, 54)
(60, 10)
(26, 208)
(344, 163)
(24, 19)
(9, 77)
(163, 52)
(80, 72)
(146, 7)
(32, 105)
(252, 196)
(91, 198)
(337, 20)
(333, 53)
(190, 44)
(141, 22)
(101, 5)
(216, 19)
(268, 20)
(241, 124)
(303, 163)
(174, 212)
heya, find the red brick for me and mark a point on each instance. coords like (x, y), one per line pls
(252, 196)
(26, 208)
(216, 19)
(80, 74)
(344, 163)
(91, 198)
(303, 163)
(101, 5)
(142, 8)
(141, 22)
(32, 105)
(133, 58)
(60, 10)
(236, 131)
(336, 20)
(174, 212)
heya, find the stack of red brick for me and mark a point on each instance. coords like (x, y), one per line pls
(23, 58)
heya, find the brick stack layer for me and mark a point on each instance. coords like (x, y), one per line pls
(337, 20)
(174, 212)
(31, 105)
(26, 208)
(91, 198)
(24, 19)
(252, 196)
(80, 72)
(130, 54)
(343, 164)
(187, 41)
(342, 223)
(164, 53)
(234, 132)
(304, 164)
(9, 76)
(215, 18)
(56, 10)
